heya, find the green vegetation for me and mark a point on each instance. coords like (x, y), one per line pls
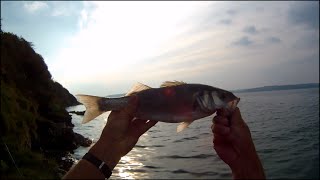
(34, 123)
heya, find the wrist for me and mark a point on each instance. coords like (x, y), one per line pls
(248, 168)
(106, 154)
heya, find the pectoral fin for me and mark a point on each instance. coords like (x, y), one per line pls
(183, 125)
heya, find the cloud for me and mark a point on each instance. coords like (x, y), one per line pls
(308, 41)
(273, 40)
(244, 41)
(85, 14)
(286, 71)
(226, 21)
(65, 8)
(54, 8)
(35, 6)
(304, 13)
(120, 43)
(250, 30)
(118, 35)
(231, 12)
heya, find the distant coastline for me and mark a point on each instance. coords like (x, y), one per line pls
(257, 89)
(279, 87)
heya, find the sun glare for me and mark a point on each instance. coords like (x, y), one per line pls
(118, 35)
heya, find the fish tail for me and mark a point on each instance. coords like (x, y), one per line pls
(92, 106)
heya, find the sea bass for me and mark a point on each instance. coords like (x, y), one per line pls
(173, 102)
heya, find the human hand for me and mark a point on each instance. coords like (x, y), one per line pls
(233, 144)
(120, 134)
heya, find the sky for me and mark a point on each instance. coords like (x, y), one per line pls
(102, 48)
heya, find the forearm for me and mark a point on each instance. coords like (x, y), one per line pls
(85, 170)
(250, 168)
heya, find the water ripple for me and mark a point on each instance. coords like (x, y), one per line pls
(198, 174)
(151, 167)
(186, 139)
(144, 147)
(140, 146)
(200, 156)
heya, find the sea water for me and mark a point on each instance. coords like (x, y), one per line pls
(284, 127)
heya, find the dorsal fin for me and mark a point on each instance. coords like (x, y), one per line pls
(137, 88)
(171, 83)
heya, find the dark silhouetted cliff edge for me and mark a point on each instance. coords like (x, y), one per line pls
(34, 124)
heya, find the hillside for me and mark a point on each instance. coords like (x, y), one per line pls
(34, 124)
(280, 87)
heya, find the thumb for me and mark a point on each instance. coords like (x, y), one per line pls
(236, 118)
(141, 126)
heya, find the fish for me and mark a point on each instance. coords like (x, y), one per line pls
(172, 102)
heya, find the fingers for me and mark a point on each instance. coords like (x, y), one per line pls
(236, 113)
(141, 126)
(236, 118)
(147, 125)
(222, 112)
(220, 129)
(218, 139)
(227, 138)
(221, 134)
(221, 120)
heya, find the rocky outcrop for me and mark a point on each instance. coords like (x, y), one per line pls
(81, 140)
(77, 112)
(34, 122)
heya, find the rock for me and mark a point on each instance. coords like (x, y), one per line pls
(66, 162)
(60, 173)
(82, 141)
(78, 112)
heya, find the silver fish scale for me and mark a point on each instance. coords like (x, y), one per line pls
(176, 103)
(172, 102)
(107, 104)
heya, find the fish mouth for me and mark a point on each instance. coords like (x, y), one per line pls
(233, 104)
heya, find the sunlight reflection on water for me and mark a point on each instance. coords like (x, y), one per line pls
(124, 170)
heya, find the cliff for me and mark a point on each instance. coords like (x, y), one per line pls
(34, 124)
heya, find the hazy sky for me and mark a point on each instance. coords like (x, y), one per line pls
(103, 47)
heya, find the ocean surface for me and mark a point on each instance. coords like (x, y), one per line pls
(284, 126)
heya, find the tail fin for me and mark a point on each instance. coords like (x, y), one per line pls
(92, 107)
